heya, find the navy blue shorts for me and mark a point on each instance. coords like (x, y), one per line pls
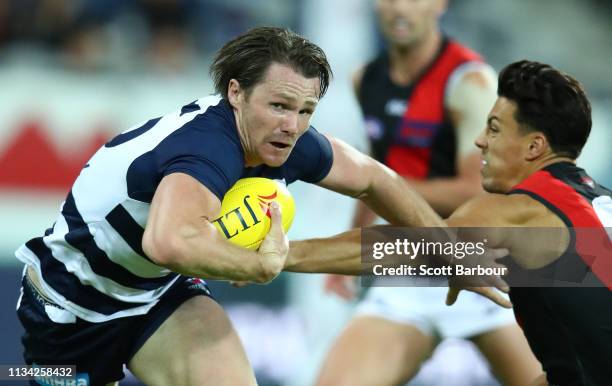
(99, 350)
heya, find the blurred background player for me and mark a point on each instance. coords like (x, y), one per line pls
(424, 100)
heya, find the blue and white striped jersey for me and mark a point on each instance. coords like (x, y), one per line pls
(91, 261)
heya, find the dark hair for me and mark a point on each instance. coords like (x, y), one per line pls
(549, 101)
(247, 58)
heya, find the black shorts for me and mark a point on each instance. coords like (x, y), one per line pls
(98, 350)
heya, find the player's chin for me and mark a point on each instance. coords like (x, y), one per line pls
(491, 186)
(276, 158)
(275, 154)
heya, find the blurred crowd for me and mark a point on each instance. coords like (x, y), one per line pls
(91, 35)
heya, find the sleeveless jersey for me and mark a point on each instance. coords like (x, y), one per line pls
(91, 261)
(408, 127)
(570, 328)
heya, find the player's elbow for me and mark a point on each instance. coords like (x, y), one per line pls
(372, 176)
(163, 249)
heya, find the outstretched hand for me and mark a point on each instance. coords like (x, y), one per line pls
(489, 286)
(488, 292)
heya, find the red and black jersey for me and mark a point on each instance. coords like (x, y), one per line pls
(569, 328)
(585, 207)
(408, 126)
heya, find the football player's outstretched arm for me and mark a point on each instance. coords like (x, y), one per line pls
(384, 191)
(180, 236)
(360, 176)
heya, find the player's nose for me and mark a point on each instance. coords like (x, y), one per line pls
(480, 141)
(290, 123)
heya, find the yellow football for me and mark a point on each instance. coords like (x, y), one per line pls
(245, 217)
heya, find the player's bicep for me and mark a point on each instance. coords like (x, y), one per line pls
(182, 207)
(351, 170)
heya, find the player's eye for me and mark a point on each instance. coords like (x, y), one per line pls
(306, 112)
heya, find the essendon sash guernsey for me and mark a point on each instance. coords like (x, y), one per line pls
(408, 127)
(586, 208)
(569, 329)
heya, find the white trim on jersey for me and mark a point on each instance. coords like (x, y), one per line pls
(115, 246)
(602, 206)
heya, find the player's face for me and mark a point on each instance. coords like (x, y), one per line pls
(504, 149)
(406, 23)
(274, 115)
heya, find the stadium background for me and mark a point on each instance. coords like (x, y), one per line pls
(75, 72)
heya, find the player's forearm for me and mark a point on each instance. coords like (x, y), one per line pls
(222, 262)
(206, 254)
(342, 254)
(393, 199)
(446, 194)
(338, 254)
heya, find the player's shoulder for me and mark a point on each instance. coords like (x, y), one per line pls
(311, 158)
(312, 142)
(212, 123)
(208, 133)
(473, 73)
(500, 210)
(471, 84)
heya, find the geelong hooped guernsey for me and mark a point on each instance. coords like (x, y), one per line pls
(91, 261)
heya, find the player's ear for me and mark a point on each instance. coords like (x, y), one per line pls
(235, 93)
(538, 145)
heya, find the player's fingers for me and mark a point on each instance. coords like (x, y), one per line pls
(276, 226)
(343, 289)
(329, 282)
(451, 295)
(492, 295)
(336, 289)
(333, 284)
(497, 253)
(345, 294)
(499, 283)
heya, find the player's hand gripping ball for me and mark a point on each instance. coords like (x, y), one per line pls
(245, 216)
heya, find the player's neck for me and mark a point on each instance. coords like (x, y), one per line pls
(249, 160)
(408, 62)
(546, 161)
(553, 160)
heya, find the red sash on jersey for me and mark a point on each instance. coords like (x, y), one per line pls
(592, 242)
(425, 114)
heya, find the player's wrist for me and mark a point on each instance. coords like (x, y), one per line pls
(297, 253)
